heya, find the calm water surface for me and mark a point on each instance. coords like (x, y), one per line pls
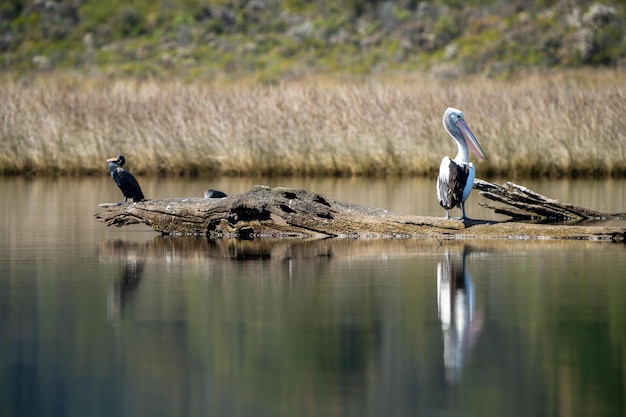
(98, 321)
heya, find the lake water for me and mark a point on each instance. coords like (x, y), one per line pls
(98, 321)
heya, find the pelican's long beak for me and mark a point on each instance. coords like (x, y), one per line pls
(470, 139)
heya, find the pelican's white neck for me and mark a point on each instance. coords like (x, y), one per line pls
(450, 118)
(463, 153)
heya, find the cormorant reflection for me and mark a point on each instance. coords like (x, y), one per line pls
(456, 302)
(124, 286)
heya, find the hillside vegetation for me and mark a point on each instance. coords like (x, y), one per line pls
(273, 40)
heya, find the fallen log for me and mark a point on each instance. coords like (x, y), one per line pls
(290, 212)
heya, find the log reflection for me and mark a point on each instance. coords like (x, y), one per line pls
(460, 321)
(173, 249)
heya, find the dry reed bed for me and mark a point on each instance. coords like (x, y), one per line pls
(558, 124)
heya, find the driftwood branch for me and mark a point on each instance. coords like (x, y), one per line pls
(289, 212)
(527, 204)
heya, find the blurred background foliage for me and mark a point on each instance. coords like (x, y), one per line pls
(273, 40)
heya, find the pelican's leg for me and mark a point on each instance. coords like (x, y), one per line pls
(463, 216)
(447, 214)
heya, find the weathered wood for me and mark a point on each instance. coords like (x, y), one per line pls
(527, 204)
(290, 212)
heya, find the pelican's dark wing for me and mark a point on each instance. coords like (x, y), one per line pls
(451, 182)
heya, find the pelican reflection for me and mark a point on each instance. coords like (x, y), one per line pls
(456, 302)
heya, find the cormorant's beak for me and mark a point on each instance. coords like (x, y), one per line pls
(470, 139)
(111, 159)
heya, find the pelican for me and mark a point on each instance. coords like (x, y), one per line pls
(456, 176)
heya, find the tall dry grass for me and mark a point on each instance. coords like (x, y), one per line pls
(558, 124)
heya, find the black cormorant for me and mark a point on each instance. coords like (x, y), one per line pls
(214, 194)
(124, 179)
